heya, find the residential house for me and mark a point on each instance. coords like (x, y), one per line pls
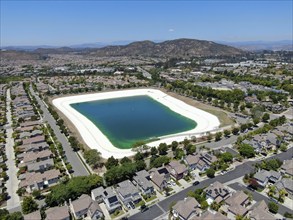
(97, 194)
(260, 211)
(33, 216)
(39, 181)
(177, 169)
(57, 213)
(33, 157)
(85, 208)
(208, 215)
(34, 140)
(186, 209)
(33, 147)
(160, 177)
(143, 182)
(209, 159)
(40, 166)
(264, 176)
(31, 134)
(191, 161)
(108, 196)
(287, 184)
(255, 144)
(128, 192)
(237, 203)
(216, 192)
(30, 123)
(287, 167)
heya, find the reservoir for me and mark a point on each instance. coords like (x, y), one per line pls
(128, 120)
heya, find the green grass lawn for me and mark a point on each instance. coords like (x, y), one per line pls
(116, 214)
(151, 198)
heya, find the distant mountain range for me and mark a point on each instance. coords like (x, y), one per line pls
(262, 45)
(171, 48)
(244, 45)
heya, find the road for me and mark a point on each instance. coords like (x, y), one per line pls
(239, 171)
(144, 73)
(72, 157)
(259, 197)
(12, 182)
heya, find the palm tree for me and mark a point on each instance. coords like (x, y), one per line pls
(272, 190)
(282, 194)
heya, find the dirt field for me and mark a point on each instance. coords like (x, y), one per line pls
(223, 117)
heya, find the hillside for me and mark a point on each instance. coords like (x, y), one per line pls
(172, 48)
(19, 55)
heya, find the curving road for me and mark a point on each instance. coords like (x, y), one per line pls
(72, 157)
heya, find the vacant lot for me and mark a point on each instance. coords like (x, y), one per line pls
(223, 117)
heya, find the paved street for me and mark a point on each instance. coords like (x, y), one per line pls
(12, 182)
(239, 171)
(258, 197)
(72, 157)
(216, 144)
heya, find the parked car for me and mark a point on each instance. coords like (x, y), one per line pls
(128, 206)
(195, 183)
(143, 208)
(132, 205)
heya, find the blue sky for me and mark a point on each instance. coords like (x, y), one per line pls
(74, 22)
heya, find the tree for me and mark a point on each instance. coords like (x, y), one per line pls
(36, 194)
(273, 164)
(154, 151)
(227, 157)
(159, 161)
(227, 133)
(111, 162)
(174, 145)
(246, 150)
(273, 207)
(93, 158)
(163, 148)
(282, 194)
(265, 117)
(218, 136)
(138, 156)
(190, 149)
(253, 183)
(72, 189)
(21, 191)
(204, 205)
(235, 130)
(255, 121)
(243, 127)
(29, 205)
(4, 215)
(125, 160)
(179, 154)
(210, 173)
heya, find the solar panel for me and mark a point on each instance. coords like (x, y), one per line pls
(113, 199)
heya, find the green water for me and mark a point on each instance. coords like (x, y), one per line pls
(128, 120)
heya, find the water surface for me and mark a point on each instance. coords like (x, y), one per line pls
(128, 120)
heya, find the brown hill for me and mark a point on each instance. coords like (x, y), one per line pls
(19, 55)
(171, 48)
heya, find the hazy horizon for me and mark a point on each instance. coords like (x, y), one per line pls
(66, 23)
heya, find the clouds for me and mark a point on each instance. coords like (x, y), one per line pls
(171, 30)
